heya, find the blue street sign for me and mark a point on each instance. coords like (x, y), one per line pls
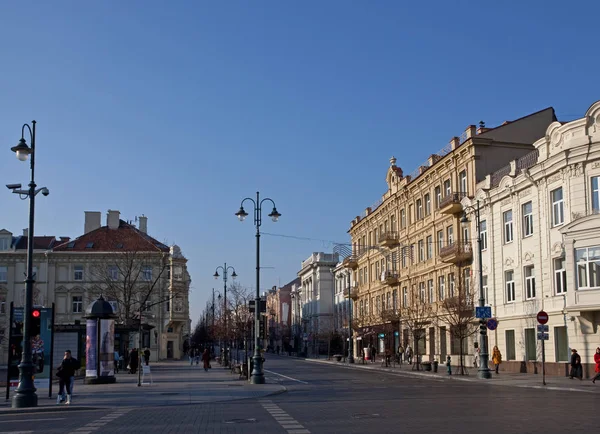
(483, 312)
(492, 323)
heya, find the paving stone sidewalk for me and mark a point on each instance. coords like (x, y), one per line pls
(533, 381)
(174, 383)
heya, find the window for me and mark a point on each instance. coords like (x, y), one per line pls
(3, 274)
(147, 273)
(78, 272)
(438, 196)
(527, 219)
(77, 304)
(422, 292)
(561, 346)
(421, 251)
(447, 188)
(463, 181)
(178, 273)
(113, 272)
(114, 305)
(450, 235)
(411, 216)
(419, 209)
(483, 234)
(560, 276)
(395, 300)
(430, 291)
(508, 226)
(511, 353)
(558, 212)
(440, 240)
(530, 344)
(465, 237)
(588, 267)
(441, 288)
(486, 300)
(529, 283)
(427, 204)
(467, 282)
(595, 197)
(377, 275)
(429, 242)
(510, 286)
(451, 282)
(404, 296)
(393, 223)
(4, 243)
(388, 302)
(402, 218)
(378, 304)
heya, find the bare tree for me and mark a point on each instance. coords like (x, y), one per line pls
(415, 315)
(240, 317)
(458, 311)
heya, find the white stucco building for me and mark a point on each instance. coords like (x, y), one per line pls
(540, 231)
(317, 283)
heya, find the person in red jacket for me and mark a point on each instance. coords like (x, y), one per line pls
(597, 360)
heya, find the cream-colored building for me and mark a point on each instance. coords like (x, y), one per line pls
(72, 273)
(541, 246)
(410, 244)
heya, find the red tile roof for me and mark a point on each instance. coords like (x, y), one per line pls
(39, 243)
(126, 238)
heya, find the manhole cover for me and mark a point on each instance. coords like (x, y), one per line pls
(241, 421)
(169, 393)
(365, 416)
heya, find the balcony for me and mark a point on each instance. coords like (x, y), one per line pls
(389, 239)
(456, 252)
(354, 293)
(350, 262)
(391, 277)
(451, 203)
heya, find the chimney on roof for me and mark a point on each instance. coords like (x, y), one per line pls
(65, 239)
(112, 219)
(25, 232)
(143, 226)
(92, 221)
(471, 131)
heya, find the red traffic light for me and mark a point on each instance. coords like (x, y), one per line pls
(35, 313)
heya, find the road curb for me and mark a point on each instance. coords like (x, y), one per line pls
(48, 409)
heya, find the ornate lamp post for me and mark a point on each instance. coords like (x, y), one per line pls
(350, 341)
(257, 376)
(225, 270)
(484, 370)
(25, 395)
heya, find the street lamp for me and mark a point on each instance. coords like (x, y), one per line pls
(484, 370)
(350, 342)
(225, 269)
(257, 376)
(25, 395)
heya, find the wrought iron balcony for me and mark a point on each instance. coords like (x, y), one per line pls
(354, 293)
(451, 203)
(456, 252)
(389, 239)
(350, 262)
(391, 277)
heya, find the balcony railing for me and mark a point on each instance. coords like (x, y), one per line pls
(350, 262)
(451, 203)
(456, 252)
(389, 239)
(391, 277)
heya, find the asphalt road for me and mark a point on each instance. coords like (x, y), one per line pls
(330, 399)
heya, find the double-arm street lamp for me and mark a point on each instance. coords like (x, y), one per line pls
(350, 341)
(225, 270)
(484, 370)
(257, 376)
(25, 395)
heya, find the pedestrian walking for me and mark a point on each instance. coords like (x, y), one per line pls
(496, 357)
(116, 362)
(408, 354)
(66, 376)
(400, 353)
(133, 361)
(449, 364)
(206, 359)
(597, 361)
(576, 369)
(147, 356)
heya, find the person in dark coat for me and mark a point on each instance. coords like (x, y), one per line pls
(65, 374)
(206, 359)
(147, 356)
(576, 369)
(133, 361)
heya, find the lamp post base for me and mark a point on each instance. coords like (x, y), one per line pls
(350, 359)
(25, 400)
(484, 373)
(25, 395)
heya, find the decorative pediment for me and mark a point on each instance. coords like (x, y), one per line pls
(583, 224)
(558, 249)
(528, 257)
(509, 262)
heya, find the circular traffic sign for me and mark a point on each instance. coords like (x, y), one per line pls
(492, 324)
(542, 317)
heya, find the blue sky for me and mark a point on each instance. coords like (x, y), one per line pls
(178, 110)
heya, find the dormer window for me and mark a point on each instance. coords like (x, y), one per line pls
(71, 245)
(5, 243)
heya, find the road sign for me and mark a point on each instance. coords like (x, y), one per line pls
(381, 335)
(543, 336)
(542, 317)
(541, 328)
(483, 312)
(492, 323)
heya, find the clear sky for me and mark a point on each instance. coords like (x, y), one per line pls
(178, 110)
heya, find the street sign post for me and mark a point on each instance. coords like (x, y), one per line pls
(492, 324)
(483, 312)
(542, 318)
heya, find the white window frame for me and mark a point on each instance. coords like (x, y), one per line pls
(483, 234)
(77, 304)
(485, 290)
(560, 276)
(463, 182)
(78, 273)
(430, 291)
(402, 218)
(113, 273)
(419, 208)
(527, 219)
(529, 273)
(447, 188)
(451, 284)
(509, 286)
(450, 235)
(508, 234)
(441, 287)
(429, 242)
(422, 292)
(558, 207)
(404, 296)
(438, 196)
(589, 273)
(3, 273)
(427, 200)
(595, 191)
(421, 251)
(440, 239)
(5, 243)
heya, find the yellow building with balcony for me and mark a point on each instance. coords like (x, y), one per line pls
(409, 251)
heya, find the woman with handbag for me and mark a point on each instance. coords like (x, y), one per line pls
(66, 374)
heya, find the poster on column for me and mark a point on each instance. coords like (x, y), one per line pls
(40, 350)
(107, 347)
(90, 347)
